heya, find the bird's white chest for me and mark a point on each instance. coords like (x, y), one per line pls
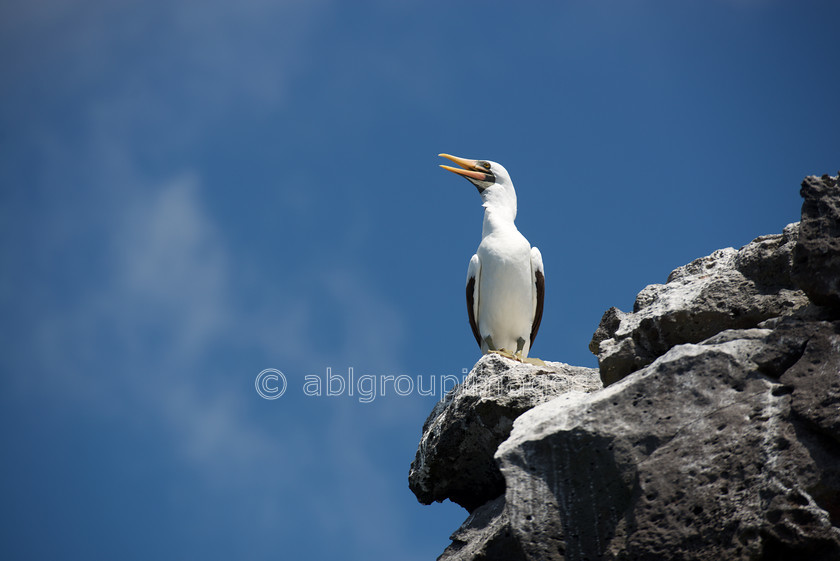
(505, 307)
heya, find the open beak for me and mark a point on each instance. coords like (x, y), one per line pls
(469, 168)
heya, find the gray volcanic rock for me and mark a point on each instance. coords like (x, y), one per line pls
(809, 353)
(455, 456)
(486, 534)
(728, 289)
(816, 258)
(698, 456)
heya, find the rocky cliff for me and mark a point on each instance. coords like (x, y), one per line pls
(711, 429)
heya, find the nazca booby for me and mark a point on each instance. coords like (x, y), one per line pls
(505, 278)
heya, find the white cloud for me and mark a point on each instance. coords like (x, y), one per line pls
(171, 263)
(165, 301)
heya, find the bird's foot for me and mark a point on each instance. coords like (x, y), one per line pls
(518, 355)
(505, 353)
(533, 360)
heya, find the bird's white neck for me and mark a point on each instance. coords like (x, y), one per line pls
(499, 211)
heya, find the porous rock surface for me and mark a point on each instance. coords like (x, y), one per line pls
(729, 289)
(816, 259)
(667, 464)
(726, 447)
(455, 457)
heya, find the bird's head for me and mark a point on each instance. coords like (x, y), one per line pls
(491, 179)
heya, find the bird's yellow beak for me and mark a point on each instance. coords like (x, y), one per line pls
(469, 167)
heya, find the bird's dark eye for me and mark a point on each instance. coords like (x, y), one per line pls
(486, 165)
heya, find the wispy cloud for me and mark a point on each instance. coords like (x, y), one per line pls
(139, 345)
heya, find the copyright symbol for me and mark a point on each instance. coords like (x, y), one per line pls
(270, 383)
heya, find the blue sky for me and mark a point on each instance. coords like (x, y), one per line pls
(193, 192)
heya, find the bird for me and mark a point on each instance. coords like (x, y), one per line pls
(505, 277)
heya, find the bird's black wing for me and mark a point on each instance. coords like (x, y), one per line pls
(471, 309)
(540, 283)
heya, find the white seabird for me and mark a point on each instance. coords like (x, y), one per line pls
(505, 279)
